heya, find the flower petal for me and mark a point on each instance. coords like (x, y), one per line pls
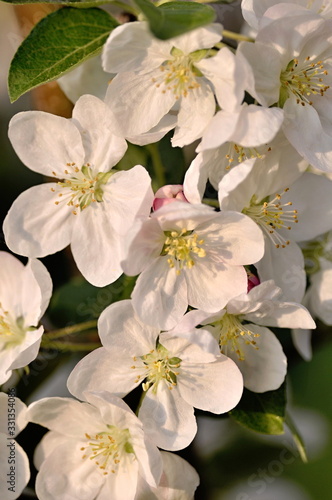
(45, 143)
(35, 226)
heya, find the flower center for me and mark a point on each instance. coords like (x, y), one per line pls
(271, 215)
(160, 367)
(178, 75)
(11, 332)
(109, 448)
(303, 80)
(232, 333)
(181, 248)
(83, 186)
(238, 154)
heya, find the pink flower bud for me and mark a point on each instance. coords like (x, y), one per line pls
(252, 281)
(168, 194)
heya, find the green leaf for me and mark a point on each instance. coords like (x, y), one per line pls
(56, 44)
(175, 18)
(262, 412)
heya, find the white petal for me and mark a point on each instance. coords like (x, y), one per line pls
(131, 47)
(137, 103)
(200, 38)
(211, 285)
(96, 247)
(235, 236)
(160, 295)
(286, 267)
(66, 416)
(100, 371)
(121, 329)
(228, 78)
(282, 315)
(302, 342)
(122, 480)
(156, 133)
(263, 369)
(13, 478)
(11, 274)
(97, 126)
(128, 195)
(168, 420)
(36, 291)
(196, 178)
(216, 387)
(306, 132)
(220, 129)
(196, 111)
(35, 226)
(12, 408)
(311, 197)
(45, 143)
(65, 475)
(146, 244)
(45, 447)
(257, 125)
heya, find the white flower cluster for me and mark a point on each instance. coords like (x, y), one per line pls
(211, 281)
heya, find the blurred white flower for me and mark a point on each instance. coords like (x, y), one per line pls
(25, 292)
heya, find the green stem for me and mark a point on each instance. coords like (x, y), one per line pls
(297, 438)
(70, 346)
(68, 330)
(158, 166)
(236, 36)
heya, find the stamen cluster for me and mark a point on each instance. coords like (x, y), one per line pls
(180, 247)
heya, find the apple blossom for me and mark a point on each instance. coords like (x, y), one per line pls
(25, 292)
(95, 449)
(291, 62)
(189, 254)
(155, 77)
(176, 374)
(90, 206)
(253, 10)
(240, 329)
(14, 463)
(168, 194)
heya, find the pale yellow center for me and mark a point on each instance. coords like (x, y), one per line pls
(109, 448)
(182, 248)
(303, 80)
(271, 216)
(232, 333)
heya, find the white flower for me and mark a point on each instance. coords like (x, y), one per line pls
(176, 374)
(189, 254)
(275, 202)
(213, 164)
(14, 463)
(318, 298)
(240, 329)
(178, 481)
(91, 206)
(95, 450)
(155, 77)
(291, 62)
(25, 292)
(254, 10)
